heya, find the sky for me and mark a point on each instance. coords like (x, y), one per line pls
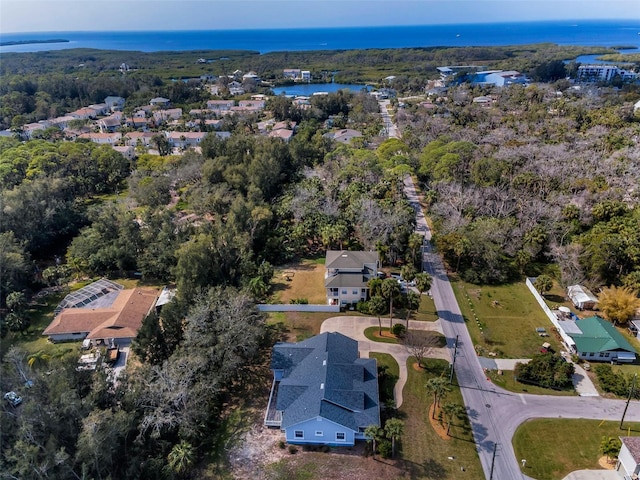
(110, 15)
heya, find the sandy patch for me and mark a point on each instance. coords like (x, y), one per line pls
(606, 464)
(441, 430)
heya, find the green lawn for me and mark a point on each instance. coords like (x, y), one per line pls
(424, 452)
(372, 334)
(388, 382)
(302, 325)
(553, 447)
(503, 319)
(508, 382)
(427, 311)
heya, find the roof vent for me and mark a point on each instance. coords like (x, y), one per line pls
(322, 386)
(324, 362)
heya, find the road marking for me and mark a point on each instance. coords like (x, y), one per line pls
(523, 399)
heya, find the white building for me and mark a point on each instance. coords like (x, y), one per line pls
(628, 465)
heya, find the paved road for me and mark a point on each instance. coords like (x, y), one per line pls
(390, 127)
(495, 414)
(354, 327)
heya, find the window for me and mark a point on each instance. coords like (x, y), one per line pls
(298, 434)
(344, 292)
(354, 291)
(591, 354)
(601, 354)
(319, 433)
(340, 436)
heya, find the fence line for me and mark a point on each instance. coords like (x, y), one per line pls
(298, 307)
(545, 308)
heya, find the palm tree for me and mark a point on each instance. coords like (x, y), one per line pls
(38, 358)
(413, 303)
(181, 457)
(423, 282)
(373, 433)
(438, 386)
(394, 428)
(377, 306)
(451, 411)
(414, 243)
(408, 272)
(390, 290)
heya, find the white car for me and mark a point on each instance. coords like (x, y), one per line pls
(13, 398)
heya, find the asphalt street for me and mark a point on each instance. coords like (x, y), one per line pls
(494, 413)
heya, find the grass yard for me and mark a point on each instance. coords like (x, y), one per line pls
(388, 381)
(424, 452)
(426, 312)
(302, 325)
(372, 334)
(553, 447)
(298, 281)
(503, 319)
(508, 382)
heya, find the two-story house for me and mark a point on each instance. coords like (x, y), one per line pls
(322, 392)
(347, 275)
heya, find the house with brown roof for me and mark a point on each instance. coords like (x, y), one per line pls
(115, 316)
(84, 113)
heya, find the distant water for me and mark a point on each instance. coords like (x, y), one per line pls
(308, 89)
(589, 33)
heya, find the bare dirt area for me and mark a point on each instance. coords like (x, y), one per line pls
(257, 449)
(259, 456)
(303, 280)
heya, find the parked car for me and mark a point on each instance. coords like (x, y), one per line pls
(13, 398)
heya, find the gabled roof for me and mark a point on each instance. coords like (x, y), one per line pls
(598, 335)
(122, 319)
(349, 259)
(323, 377)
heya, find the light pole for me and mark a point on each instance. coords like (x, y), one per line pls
(633, 386)
(453, 364)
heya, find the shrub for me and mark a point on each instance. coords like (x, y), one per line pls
(293, 449)
(362, 307)
(548, 370)
(398, 330)
(612, 382)
(281, 444)
(299, 301)
(384, 448)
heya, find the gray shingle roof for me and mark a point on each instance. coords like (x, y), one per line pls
(323, 376)
(349, 259)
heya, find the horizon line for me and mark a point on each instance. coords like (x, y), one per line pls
(572, 22)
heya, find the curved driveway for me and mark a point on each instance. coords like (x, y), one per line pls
(354, 327)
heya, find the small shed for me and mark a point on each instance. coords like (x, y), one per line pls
(582, 297)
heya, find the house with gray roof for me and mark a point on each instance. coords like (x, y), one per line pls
(322, 393)
(347, 275)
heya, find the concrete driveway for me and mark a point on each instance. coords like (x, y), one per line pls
(593, 475)
(354, 327)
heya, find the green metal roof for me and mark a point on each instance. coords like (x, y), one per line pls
(598, 335)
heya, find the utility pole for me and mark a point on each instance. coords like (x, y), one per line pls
(633, 386)
(493, 460)
(453, 364)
